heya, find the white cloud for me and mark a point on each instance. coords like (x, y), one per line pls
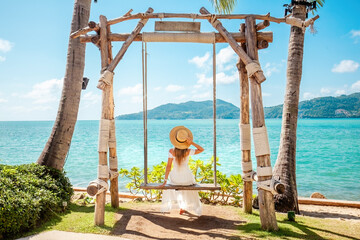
(340, 92)
(309, 95)
(204, 95)
(135, 90)
(174, 88)
(221, 78)
(157, 88)
(225, 56)
(2, 59)
(45, 92)
(345, 66)
(200, 61)
(355, 33)
(22, 109)
(325, 91)
(181, 97)
(91, 98)
(356, 86)
(136, 99)
(203, 80)
(270, 68)
(5, 45)
(2, 100)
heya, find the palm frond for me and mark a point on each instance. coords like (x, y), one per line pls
(223, 6)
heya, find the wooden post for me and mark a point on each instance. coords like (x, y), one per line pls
(128, 41)
(105, 114)
(245, 119)
(262, 25)
(259, 75)
(114, 182)
(266, 199)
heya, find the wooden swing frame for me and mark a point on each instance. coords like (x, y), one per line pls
(249, 72)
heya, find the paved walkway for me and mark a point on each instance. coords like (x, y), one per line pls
(60, 235)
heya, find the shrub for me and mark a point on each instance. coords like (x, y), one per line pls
(231, 187)
(28, 193)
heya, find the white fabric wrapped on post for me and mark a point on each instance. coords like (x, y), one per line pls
(103, 171)
(103, 135)
(106, 79)
(253, 67)
(264, 171)
(245, 136)
(112, 136)
(261, 141)
(113, 162)
(103, 185)
(267, 185)
(249, 176)
(246, 166)
(113, 174)
(295, 22)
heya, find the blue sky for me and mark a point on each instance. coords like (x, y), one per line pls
(34, 41)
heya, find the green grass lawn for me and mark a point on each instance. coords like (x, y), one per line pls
(81, 219)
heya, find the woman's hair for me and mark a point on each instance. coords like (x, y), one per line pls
(179, 154)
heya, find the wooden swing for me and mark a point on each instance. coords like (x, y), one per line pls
(148, 186)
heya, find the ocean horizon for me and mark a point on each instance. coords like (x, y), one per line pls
(328, 150)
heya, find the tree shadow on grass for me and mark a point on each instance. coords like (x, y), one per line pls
(189, 228)
(309, 231)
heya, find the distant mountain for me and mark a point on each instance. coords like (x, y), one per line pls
(188, 110)
(344, 106)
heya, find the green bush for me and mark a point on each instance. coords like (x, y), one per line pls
(28, 193)
(231, 187)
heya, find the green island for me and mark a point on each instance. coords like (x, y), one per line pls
(344, 106)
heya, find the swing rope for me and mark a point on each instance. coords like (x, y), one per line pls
(144, 74)
(144, 81)
(214, 108)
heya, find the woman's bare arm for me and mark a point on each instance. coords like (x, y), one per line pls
(167, 171)
(199, 149)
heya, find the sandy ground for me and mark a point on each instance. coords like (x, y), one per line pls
(145, 221)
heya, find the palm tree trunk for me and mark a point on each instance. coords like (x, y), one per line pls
(285, 166)
(57, 147)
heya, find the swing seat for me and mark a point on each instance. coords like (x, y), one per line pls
(157, 186)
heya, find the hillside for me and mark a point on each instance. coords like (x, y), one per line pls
(188, 110)
(344, 106)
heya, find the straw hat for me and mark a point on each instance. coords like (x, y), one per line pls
(179, 135)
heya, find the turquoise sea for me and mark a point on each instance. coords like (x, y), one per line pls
(328, 150)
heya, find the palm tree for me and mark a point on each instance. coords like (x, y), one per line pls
(58, 144)
(285, 166)
(223, 6)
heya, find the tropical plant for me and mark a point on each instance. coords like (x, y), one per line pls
(224, 6)
(58, 144)
(231, 187)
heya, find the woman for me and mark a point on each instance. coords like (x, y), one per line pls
(185, 200)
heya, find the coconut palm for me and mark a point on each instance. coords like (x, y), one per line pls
(285, 166)
(58, 144)
(223, 6)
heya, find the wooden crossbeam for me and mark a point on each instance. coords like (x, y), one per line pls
(119, 37)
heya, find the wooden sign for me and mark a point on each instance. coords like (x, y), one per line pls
(177, 26)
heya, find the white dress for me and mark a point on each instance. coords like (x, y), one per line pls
(185, 199)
